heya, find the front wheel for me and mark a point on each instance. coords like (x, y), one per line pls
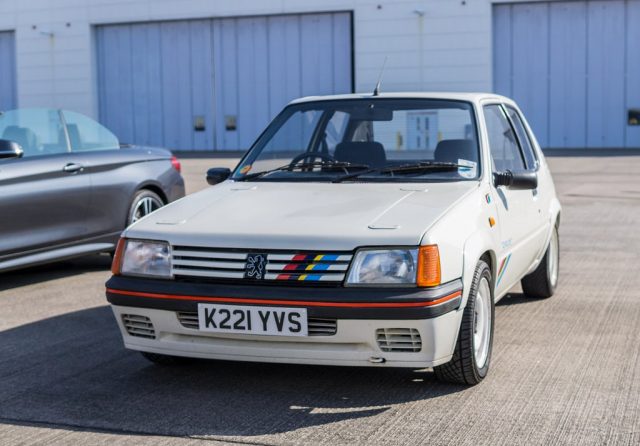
(542, 282)
(472, 355)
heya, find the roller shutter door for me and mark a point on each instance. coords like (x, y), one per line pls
(574, 69)
(215, 83)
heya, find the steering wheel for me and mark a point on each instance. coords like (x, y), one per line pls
(313, 156)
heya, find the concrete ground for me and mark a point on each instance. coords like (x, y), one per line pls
(564, 370)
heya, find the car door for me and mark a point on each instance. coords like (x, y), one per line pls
(44, 194)
(518, 210)
(542, 200)
(111, 186)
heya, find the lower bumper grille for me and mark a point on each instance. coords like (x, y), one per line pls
(399, 340)
(317, 326)
(139, 326)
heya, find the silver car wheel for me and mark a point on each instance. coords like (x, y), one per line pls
(143, 207)
(482, 323)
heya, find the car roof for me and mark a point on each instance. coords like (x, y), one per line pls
(456, 96)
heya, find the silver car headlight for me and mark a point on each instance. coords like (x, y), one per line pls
(384, 267)
(145, 258)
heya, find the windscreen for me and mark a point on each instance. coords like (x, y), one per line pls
(377, 139)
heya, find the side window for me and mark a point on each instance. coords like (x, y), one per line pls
(86, 134)
(502, 141)
(39, 131)
(523, 137)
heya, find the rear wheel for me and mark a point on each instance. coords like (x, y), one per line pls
(165, 360)
(542, 282)
(472, 355)
(144, 202)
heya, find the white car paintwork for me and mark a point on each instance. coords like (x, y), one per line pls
(346, 216)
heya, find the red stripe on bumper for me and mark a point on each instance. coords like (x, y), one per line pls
(301, 303)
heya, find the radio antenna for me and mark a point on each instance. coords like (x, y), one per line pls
(376, 91)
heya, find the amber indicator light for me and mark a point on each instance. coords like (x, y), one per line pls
(117, 258)
(428, 266)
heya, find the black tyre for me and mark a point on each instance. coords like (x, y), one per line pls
(165, 360)
(144, 202)
(472, 355)
(543, 281)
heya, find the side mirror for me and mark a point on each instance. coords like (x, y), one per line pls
(520, 180)
(217, 175)
(10, 149)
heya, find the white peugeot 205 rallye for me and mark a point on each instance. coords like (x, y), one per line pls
(360, 230)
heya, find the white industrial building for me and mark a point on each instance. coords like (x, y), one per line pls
(209, 74)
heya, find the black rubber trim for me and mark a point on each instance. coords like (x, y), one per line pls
(356, 295)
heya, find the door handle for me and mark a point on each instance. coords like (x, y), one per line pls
(73, 168)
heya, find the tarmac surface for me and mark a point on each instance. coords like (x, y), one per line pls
(564, 371)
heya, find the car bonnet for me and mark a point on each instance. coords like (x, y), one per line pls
(312, 216)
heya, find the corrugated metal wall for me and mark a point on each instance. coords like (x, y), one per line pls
(7, 70)
(215, 84)
(573, 67)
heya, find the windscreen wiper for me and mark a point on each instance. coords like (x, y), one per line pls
(326, 165)
(422, 166)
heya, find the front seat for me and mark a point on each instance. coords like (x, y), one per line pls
(452, 150)
(370, 153)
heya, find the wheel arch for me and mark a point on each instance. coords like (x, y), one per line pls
(155, 188)
(477, 247)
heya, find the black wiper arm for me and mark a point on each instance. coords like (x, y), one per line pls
(345, 166)
(404, 168)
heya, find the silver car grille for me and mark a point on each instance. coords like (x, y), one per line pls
(139, 326)
(316, 326)
(399, 339)
(282, 266)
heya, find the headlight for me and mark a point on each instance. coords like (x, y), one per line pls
(389, 267)
(145, 258)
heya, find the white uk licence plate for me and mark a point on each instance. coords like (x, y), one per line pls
(252, 320)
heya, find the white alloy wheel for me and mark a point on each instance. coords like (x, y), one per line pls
(554, 260)
(482, 323)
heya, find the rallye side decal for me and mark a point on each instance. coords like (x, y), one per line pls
(503, 268)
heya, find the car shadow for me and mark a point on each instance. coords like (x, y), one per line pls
(72, 370)
(515, 299)
(53, 271)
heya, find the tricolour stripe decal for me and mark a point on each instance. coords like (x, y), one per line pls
(503, 268)
(297, 303)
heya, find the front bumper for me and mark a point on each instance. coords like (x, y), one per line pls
(360, 315)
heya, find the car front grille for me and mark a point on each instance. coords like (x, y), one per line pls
(260, 266)
(139, 326)
(398, 340)
(316, 326)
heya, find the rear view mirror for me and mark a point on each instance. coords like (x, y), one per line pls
(217, 175)
(10, 149)
(519, 180)
(371, 113)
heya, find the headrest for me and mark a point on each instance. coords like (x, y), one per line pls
(452, 150)
(23, 136)
(370, 153)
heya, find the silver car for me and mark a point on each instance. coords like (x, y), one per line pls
(69, 188)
